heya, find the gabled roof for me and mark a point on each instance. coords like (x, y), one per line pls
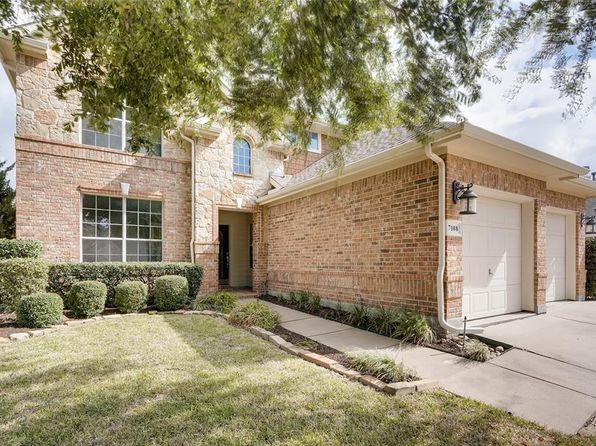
(368, 145)
(377, 152)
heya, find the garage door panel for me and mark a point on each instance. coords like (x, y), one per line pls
(513, 303)
(556, 226)
(480, 302)
(492, 259)
(497, 300)
(514, 267)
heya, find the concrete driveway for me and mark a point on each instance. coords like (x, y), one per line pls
(550, 375)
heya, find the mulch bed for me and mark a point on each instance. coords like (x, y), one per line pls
(447, 344)
(313, 346)
(8, 324)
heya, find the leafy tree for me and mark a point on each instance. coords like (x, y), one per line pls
(7, 203)
(566, 30)
(273, 64)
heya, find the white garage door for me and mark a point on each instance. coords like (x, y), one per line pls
(492, 259)
(555, 257)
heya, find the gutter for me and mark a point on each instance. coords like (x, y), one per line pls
(441, 269)
(192, 197)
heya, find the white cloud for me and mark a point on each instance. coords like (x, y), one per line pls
(534, 116)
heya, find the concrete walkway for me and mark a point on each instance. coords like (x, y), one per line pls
(559, 395)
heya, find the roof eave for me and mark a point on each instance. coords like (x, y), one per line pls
(380, 162)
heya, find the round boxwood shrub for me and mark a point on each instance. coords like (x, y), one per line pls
(131, 296)
(171, 292)
(220, 301)
(39, 310)
(254, 314)
(87, 298)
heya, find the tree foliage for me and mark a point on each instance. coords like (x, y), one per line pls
(566, 30)
(275, 65)
(7, 203)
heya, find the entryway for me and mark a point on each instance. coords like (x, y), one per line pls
(235, 249)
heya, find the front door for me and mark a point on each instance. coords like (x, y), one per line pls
(224, 254)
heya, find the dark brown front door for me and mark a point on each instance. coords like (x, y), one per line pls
(224, 254)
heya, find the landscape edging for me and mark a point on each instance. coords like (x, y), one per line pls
(399, 388)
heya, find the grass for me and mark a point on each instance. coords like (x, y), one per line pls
(382, 366)
(178, 380)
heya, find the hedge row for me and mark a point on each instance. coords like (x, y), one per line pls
(20, 277)
(63, 275)
(591, 267)
(19, 249)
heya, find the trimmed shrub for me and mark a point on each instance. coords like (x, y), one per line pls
(171, 292)
(20, 277)
(87, 298)
(19, 249)
(381, 366)
(39, 310)
(63, 275)
(254, 313)
(591, 267)
(414, 327)
(131, 296)
(221, 301)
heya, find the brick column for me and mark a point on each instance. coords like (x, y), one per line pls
(453, 278)
(580, 259)
(540, 273)
(260, 246)
(207, 255)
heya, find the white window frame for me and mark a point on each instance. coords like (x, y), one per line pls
(124, 238)
(125, 122)
(318, 142)
(250, 157)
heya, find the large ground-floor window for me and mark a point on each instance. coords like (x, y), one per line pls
(117, 229)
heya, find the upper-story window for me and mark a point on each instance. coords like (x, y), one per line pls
(117, 136)
(314, 143)
(242, 157)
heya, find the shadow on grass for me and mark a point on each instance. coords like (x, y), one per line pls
(198, 381)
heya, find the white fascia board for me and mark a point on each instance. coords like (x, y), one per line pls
(522, 149)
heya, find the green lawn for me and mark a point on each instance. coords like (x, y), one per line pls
(180, 380)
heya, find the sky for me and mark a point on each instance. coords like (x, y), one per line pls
(533, 117)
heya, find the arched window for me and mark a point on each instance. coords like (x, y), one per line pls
(242, 156)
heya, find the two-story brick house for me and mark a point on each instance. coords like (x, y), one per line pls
(383, 229)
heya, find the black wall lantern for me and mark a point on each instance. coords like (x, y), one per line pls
(466, 196)
(589, 222)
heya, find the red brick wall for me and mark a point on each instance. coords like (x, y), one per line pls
(494, 178)
(373, 240)
(49, 179)
(298, 161)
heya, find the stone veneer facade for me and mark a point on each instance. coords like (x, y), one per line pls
(53, 169)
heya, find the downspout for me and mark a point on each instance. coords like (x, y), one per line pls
(441, 269)
(192, 197)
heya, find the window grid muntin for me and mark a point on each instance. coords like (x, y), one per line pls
(146, 249)
(118, 139)
(242, 154)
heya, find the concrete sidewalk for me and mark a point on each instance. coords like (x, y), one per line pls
(540, 389)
